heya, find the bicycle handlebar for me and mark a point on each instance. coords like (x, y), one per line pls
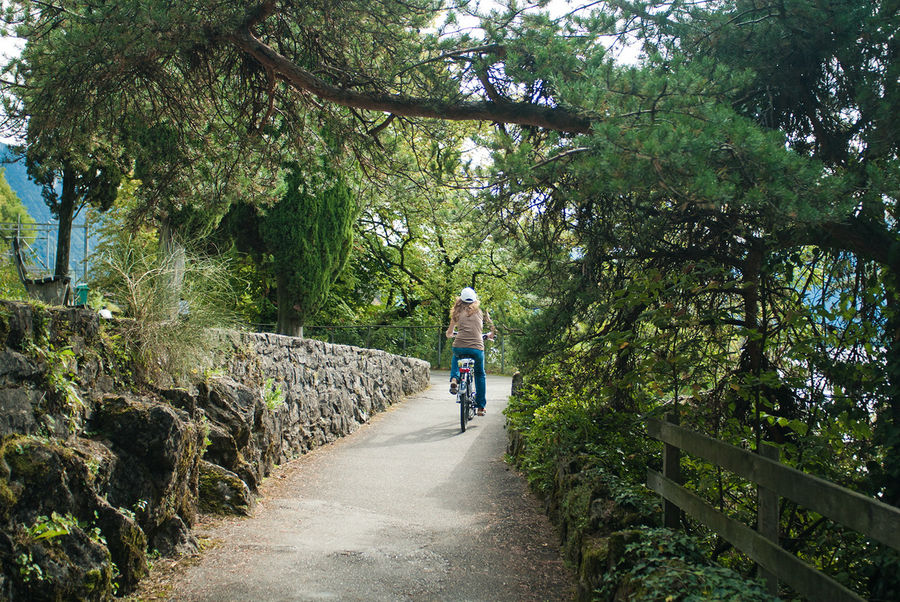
(484, 335)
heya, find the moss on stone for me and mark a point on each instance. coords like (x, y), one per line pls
(5, 320)
(40, 324)
(594, 558)
(188, 468)
(8, 491)
(17, 453)
(131, 554)
(98, 580)
(223, 492)
(595, 562)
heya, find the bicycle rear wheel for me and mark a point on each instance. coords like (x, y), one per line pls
(470, 394)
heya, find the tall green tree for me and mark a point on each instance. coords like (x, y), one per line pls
(302, 242)
(308, 233)
(69, 182)
(825, 77)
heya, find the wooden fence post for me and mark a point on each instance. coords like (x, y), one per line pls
(671, 470)
(768, 515)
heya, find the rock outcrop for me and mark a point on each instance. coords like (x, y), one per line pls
(95, 471)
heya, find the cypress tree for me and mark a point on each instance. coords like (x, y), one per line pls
(309, 233)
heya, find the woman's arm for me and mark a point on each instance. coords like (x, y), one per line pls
(487, 319)
(450, 328)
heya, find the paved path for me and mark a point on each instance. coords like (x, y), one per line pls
(406, 508)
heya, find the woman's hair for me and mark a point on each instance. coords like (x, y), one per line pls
(460, 305)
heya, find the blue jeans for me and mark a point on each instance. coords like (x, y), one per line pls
(480, 380)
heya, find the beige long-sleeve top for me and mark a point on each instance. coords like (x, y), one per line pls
(468, 329)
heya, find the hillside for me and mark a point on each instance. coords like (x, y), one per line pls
(30, 195)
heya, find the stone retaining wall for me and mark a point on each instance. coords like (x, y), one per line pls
(111, 470)
(317, 392)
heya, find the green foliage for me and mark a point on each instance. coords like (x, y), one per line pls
(578, 453)
(29, 570)
(273, 395)
(666, 565)
(172, 308)
(45, 531)
(560, 426)
(308, 234)
(60, 366)
(679, 257)
(54, 526)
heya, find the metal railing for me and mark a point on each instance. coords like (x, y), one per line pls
(39, 247)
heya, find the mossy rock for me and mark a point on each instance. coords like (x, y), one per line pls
(9, 490)
(595, 562)
(70, 566)
(75, 327)
(39, 477)
(37, 471)
(127, 545)
(159, 450)
(223, 492)
(16, 324)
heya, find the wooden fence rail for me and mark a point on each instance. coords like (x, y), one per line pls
(876, 520)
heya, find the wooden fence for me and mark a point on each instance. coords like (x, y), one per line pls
(876, 520)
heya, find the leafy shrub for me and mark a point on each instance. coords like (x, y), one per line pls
(661, 564)
(589, 462)
(559, 426)
(273, 395)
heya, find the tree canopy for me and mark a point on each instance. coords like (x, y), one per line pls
(308, 233)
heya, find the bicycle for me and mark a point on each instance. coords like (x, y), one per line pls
(465, 394)
(466, 391)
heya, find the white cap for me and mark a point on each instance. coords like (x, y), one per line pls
(468, 295)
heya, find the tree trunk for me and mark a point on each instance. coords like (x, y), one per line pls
(66, 217)
(288, 319)
(172, 254)
(751, 360)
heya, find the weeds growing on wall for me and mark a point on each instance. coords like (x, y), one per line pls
(60, 374)
(172, 304)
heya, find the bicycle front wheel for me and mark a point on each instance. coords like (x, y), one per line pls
(463, 411)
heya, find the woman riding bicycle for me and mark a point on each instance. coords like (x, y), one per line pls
(468, 320)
